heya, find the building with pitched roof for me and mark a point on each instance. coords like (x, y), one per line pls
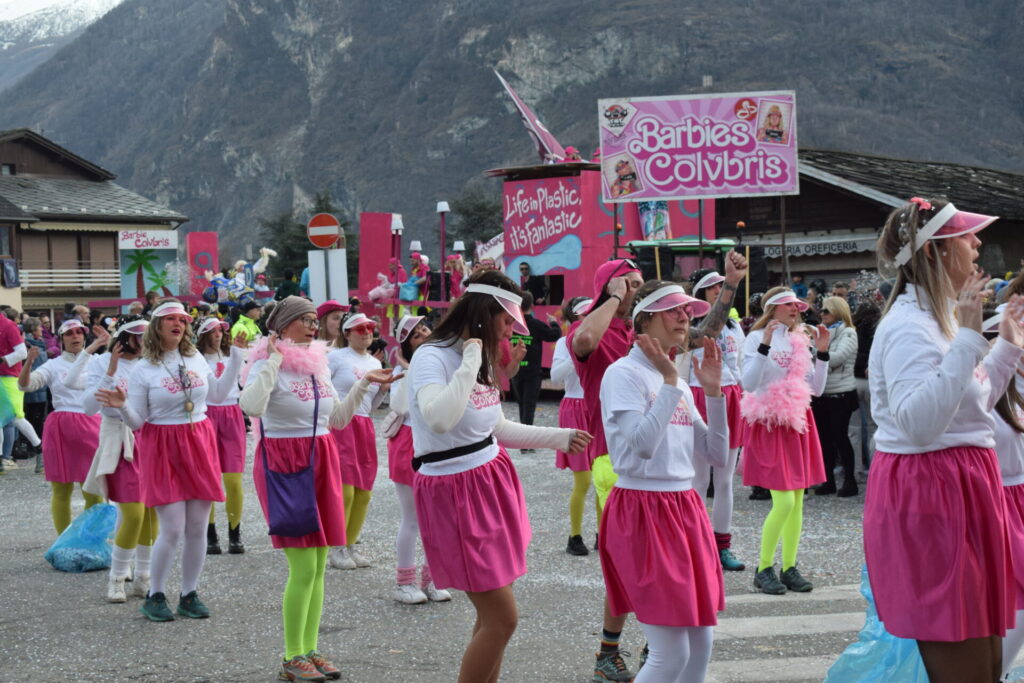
(60, 216)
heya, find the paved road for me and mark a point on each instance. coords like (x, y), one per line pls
(58, 627)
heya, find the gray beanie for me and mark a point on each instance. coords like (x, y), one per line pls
(287, 310)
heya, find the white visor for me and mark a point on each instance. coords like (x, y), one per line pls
(512, 303)
(709, 280)
(992, 324)
(669, 297)
(209, 324)
(787, 297)
(134, 327)
(170, 308)
(69, 325)
(356, 320)
(949, 222)
(581, 307)
(406, 325)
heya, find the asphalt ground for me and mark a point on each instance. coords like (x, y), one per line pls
(58, 627)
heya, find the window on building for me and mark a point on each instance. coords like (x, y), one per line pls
(7, 169)
(6, 248)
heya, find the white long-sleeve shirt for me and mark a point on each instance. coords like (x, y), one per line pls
(563, 370)
(284, 400)
(653, 429)
(448, 409)
(1010, 446)
(348, 367)
(156, 396)
(51, 374)
(761, 371)
(96, 378)
(400, 397)
(730, 341)
(929, 392)
(218, 363)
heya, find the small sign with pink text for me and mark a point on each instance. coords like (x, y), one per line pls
(698, 146)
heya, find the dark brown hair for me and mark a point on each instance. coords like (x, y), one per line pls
(1008, 405)
(476, 315)
(645, 290)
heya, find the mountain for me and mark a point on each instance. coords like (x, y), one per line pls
(235, 110)
(32, 31)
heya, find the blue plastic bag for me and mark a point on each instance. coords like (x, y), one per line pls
(83, 546)
(877, 655)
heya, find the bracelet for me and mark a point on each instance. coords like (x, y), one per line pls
(823, 355)
(763, 349)
(617, 296)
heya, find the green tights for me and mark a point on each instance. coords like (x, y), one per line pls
(232, 499)
(138, 526)
(785, 520)
(303, 600)
(578, 499)
(357, 502)
(60, 503)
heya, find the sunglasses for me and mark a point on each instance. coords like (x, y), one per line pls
(362, 329)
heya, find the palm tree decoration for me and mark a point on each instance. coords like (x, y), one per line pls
(140, 263)
(160, 279)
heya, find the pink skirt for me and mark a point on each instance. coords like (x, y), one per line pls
(572, 414)
(69, 444)
(1014, 496)
(783, 459)
(124, 484)
(661, 562)
(357, 444)
(400, 456)
(937, 545)
(474, 526)
(229, 425)
(733, 393)
(180, 462)
(291, 455)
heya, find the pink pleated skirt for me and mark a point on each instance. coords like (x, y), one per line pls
(733, 393)
(400, 453)
(661, 561)
(69, 444)
(474, 526)
(124, 484)
(291, 455)
(180, 462)
(357, 445)
(781, 458)
(572, 414)
(229, 425)
(1014, 496)
(937, 545)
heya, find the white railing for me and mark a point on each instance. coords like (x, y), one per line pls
(72, 278)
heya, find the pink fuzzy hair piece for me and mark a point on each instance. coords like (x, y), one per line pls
(301, 359)
(783, 403)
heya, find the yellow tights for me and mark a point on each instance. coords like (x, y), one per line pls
(232, 498)
(357, 502)
(138, 526)
(578, 499)
(60, 503)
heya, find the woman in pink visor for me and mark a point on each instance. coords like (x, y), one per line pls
(935, 529)
(469, 502)
(784, 363)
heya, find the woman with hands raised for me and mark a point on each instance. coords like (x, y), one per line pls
(663, 564)
(782, 451)
(935, 533)
(469, 501)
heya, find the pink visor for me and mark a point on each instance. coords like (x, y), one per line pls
(209, 324)
(512, 303)
(669, 297)
(787, 297)
(406, 325)
(948, 222)
(170, 308)
(68, 325)
(709, 280)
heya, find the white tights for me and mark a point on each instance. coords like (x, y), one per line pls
(721, 508)
(677, 654)
(1012, 643)
(408, 527)
(186, 518)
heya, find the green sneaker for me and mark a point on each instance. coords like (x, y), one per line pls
(611, 667)
(192, 607)
(155, 608)
(729, 561)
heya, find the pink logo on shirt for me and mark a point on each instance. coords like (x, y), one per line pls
(981, 374)
(303, 389)
(173, 386)
(681, 415)
(122, 384)
(218, 369)
(484, 397)
(781, 358)
(729, 344)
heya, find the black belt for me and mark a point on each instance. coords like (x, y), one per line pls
(458, 451)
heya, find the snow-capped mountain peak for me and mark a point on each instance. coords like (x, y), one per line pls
(42, 20)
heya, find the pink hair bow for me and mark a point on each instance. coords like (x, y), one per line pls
(922, 204)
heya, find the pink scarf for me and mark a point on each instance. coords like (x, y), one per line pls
(784, 402)
(301, 359)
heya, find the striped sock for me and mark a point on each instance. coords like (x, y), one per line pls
(609, 640)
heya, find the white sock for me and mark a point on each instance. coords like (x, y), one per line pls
(27, 430)
(120, 562)
(1012, 643)
(142, 553)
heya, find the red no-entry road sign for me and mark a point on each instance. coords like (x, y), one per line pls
(323, 230)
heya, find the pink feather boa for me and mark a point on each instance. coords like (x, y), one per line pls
(784, 402)
(301, 359)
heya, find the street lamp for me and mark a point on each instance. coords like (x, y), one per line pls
(459, 246)
(442, 209)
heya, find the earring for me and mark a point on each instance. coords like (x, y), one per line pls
(943, 253)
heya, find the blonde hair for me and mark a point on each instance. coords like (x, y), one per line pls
(769, 309)
(152, 346)
(925, 269)
(837, 306)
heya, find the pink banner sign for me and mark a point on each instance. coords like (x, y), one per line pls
(543, 217)
(698, 146)
(548, 148)
(202, 256)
